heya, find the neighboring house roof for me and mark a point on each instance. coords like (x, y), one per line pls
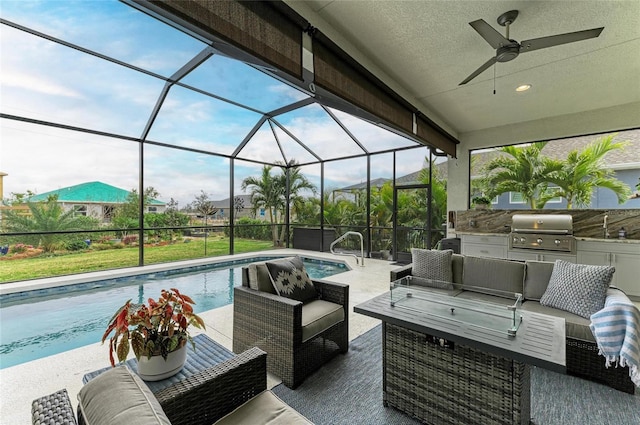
(90, 192)
(360, 186)
(224, 203)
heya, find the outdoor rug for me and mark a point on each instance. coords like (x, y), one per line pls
(348, 390)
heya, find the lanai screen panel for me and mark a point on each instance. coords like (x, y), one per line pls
(47, 81)
(238, 82)
(182, 175)
(318, 131)
(108, 27)
(193, 120)
(373, 138)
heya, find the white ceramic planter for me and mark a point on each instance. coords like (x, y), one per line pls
(157, 368)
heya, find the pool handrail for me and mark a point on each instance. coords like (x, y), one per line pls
(344, 236)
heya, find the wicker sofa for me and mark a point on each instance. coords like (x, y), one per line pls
(232, 392)
(298, 337)
(531, 278)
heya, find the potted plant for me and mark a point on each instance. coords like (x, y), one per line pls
(481, 202)
(157, 333)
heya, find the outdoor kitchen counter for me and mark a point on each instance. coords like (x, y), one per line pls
(610, 240)
(578, 238)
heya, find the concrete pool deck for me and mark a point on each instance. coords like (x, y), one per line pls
(21, 384)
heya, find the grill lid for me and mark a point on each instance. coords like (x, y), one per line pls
(559, 224)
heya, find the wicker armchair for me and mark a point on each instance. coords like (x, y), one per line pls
(274, 324)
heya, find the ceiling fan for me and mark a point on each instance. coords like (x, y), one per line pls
(508, 49)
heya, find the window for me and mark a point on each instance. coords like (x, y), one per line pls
(79, 210)
(495, 200)
(107, 212)
(152, 209)
(516, 198)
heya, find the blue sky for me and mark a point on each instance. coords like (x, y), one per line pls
(47, 81)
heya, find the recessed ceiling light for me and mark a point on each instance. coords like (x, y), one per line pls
(523, 87)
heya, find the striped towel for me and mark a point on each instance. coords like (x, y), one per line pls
(617, 331)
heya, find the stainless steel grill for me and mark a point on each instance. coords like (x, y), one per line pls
(550, 232)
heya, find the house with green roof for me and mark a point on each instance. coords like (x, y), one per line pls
(94, 199)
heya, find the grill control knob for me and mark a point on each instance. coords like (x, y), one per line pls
(557, 242)
(523, 240)
(539, 240)
(515, 239)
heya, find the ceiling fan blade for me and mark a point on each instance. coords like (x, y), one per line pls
(555, 40)
(487, 32)
(479, 71)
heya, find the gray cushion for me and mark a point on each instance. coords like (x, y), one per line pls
(259, 278)
(119, 396)
(578, 288)
(576, 327)
(290, 279)
(433, 267)
(536, 279)
(318, 316)
(265, 408)
(491, 273)
(457, 264)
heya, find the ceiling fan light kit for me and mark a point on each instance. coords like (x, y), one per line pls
(508, 49)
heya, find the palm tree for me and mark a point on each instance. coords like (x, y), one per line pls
(298, 183)
(45, 216)
(267, 192)
(584, 171)
(524, 170)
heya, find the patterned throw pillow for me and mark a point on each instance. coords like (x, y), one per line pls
(290, 279)
(432, 265)
(577, 288)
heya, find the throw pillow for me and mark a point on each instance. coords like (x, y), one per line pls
(577, 288)
(432, 265)
(290, 279)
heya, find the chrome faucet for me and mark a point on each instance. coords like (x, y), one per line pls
(605, 227)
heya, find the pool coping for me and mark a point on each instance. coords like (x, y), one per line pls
(58, 281)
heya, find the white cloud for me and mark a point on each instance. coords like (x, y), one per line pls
(39, 84)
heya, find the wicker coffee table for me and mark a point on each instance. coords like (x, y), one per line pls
(208, 353)
(469, 365)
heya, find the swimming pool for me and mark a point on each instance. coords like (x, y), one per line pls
(45, 322)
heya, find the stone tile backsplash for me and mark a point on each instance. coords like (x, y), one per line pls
(586, 223)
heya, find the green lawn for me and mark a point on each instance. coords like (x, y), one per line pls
(87, 261)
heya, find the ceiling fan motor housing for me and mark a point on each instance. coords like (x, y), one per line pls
(508, 52)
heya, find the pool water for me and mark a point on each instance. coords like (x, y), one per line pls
(36, 327)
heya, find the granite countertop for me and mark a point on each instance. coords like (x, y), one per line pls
(481, 234)
(610, 240)
(578, 238)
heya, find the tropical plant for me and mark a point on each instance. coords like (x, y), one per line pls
(127, 215)
(523, 169)
(583, 172)
(44, 217)
(154, 329)
(481, 200)
(269, 192)
(298, 183)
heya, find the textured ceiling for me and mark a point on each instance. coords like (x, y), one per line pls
(426, 48)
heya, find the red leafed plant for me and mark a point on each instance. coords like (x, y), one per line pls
(154, 329)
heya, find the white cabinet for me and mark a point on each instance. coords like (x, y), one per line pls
(624, 256)
(549, 256)
(494, 246)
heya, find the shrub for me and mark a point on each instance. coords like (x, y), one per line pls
(130, 239)
(101, 246)
(20, 248)
(251, 228)
(75, 245)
